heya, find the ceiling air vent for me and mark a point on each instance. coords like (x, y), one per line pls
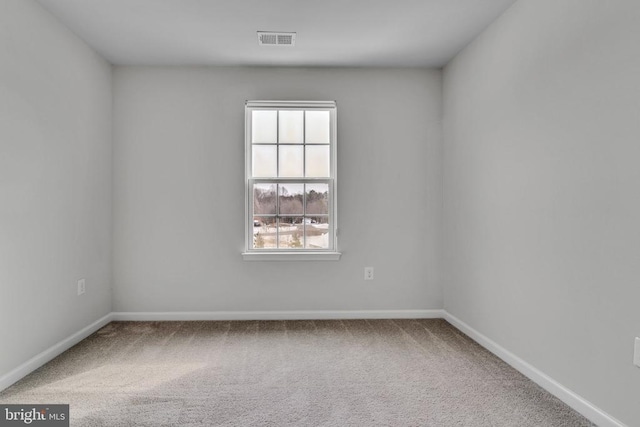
(269, 38)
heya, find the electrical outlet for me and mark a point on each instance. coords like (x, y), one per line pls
(82, 286)
(368, 273)
(636, 353)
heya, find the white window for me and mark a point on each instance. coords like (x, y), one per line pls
(290, 169)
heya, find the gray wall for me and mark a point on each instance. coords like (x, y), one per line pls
(541, 190)
(55, 182)
(179, 191)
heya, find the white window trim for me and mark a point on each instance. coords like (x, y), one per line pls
(331, 254)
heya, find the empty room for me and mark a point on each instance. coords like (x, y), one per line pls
(336, 213)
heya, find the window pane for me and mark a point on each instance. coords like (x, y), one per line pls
(263, 126)
(317, 161)
(264, 232)
(291, 196)
(317, 199)
(290, 232)
(317, 232)
(264, 161)
(316, 127)
(290, 127)
(264, 199)
(291, 161)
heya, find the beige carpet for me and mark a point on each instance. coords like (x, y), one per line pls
(288, 373)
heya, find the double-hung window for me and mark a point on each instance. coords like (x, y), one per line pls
(290, 168)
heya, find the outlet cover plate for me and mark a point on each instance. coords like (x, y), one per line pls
(82, 286)
(368, 273)
(636, 353)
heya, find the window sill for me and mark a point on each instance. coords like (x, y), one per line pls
(291, 256)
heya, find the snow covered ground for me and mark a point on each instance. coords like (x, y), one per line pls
(292, 236)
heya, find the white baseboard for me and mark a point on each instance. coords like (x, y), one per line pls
(55, 350)
(584, 407)
(278, 315)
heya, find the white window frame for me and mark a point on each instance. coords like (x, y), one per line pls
(273, 254)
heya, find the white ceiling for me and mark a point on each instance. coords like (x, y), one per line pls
(330, 32)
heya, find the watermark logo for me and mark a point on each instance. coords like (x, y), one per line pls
(34, 415)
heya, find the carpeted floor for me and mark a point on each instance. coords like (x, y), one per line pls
(288, 373)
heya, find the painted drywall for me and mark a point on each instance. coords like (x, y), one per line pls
(55, 182)
(541, 192)
(179, 191)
